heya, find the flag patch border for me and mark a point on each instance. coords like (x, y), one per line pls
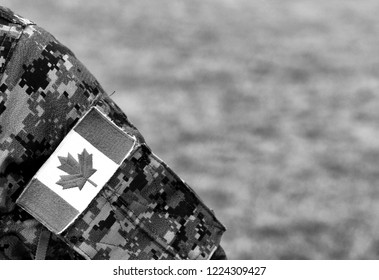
(31, 197)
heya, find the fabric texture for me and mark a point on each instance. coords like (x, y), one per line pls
(144, 211)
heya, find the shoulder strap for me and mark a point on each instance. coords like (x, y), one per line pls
(11, 28)
(11, 17)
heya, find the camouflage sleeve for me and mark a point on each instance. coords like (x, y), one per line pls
(145, 211)
(44, 91)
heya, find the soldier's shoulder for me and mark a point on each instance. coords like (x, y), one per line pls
(7, 16)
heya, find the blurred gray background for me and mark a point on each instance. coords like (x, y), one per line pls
(269, 109)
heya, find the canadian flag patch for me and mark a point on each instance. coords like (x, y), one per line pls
(78, 169)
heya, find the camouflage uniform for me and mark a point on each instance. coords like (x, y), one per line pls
(44, 91)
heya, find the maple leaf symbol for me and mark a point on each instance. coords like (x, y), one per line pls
(79, 172)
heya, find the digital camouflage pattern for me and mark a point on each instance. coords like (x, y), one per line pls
(145, 211)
